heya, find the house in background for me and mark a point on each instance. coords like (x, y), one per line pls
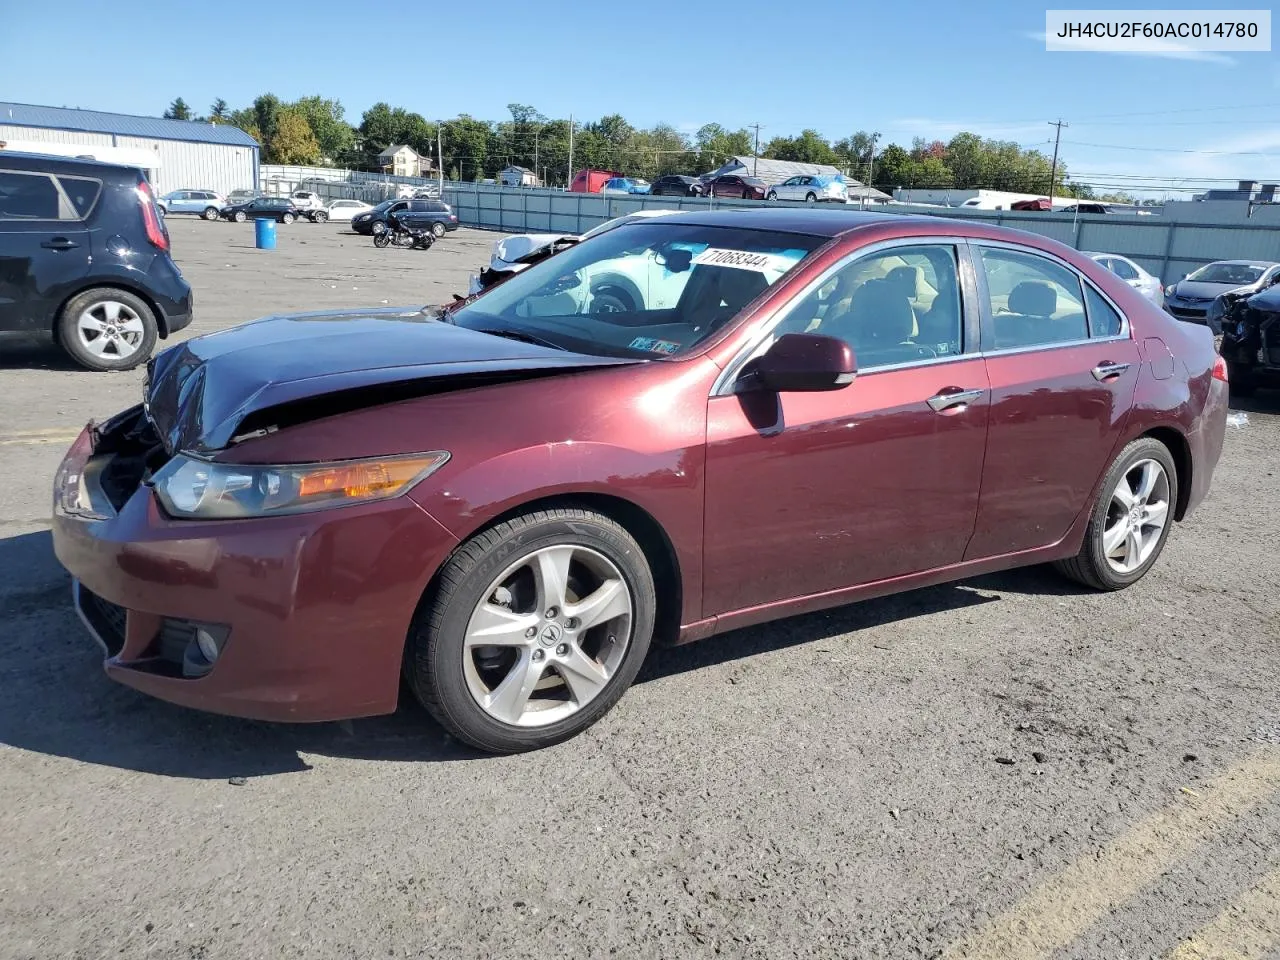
(514, 176)
(401, 160)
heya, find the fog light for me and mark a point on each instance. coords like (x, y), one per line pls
(207, 644)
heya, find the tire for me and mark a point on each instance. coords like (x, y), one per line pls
(382, 239)
(210, 213)
(810, 198)
(164, 211)
(320, 216)
(107, 329)
(773, 195)
(377, 227)
(1092, 566)
(612, 299)
(287, 218)
(437, 229)
(240, 216)
(451, 676)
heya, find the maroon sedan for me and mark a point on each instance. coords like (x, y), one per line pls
(733, 185)
(510, 499)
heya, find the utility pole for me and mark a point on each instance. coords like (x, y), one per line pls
(1053, 171)
(535, 154)
(569, 182)
(755, 154)
(440, 156)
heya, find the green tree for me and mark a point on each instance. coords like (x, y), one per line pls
(332, 132)
(178, 110)
(293, 141)
(716, 145)
(383, 125)
(266, 113)
(857, 153)
(893, 168)
(218, 111)
(808, 147)
(466, 146)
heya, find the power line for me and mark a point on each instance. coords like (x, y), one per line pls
(1216, 153)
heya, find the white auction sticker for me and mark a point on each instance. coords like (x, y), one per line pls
(745, 260)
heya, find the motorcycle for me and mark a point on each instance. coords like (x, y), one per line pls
(400, 234)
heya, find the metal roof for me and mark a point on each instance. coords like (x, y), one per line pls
(775, 171)
(122, 124)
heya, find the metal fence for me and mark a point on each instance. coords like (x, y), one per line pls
(1165, 247)
(332, 183)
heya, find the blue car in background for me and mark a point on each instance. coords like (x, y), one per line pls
(625, 185)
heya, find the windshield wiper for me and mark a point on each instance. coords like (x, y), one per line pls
(519, 335)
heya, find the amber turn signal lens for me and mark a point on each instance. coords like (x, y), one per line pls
(361, 480)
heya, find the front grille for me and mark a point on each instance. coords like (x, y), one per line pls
(105, 618)
(1188, 313)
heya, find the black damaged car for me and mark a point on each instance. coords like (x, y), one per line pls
(1250, 325)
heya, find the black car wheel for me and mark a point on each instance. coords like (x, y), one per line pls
(773, 195)
(107, 329)
(378, 227)
(287, 218)
(240, 216)
(810, 198)
(320, 216)
(437, 229)
(211, 213)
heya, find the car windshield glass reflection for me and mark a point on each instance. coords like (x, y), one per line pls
(642, 290)
(1240, 273)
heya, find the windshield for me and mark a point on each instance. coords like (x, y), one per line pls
(646, 289)
(1234, 273)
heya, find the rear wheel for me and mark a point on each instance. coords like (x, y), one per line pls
(210, 213)
(810, 198)
(107, 329)
(537, 627)
(287, 218)
(1131, 519)
(241, 216)
(437, 229)
(381, 239)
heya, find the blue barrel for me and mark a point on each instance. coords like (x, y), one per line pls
(264, 234)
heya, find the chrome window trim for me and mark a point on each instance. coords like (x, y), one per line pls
(1125, 329)
(723, 385)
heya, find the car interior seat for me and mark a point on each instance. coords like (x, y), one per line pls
(878, 324)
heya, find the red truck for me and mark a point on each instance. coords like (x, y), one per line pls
(590, 181)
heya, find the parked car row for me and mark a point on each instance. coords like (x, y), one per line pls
(436, 215)
(241, 205)
(810, 188)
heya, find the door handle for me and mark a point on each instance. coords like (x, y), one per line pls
(59, 243)
(1109, 371)
(950, 399)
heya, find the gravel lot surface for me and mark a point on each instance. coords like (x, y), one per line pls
(1005, 767)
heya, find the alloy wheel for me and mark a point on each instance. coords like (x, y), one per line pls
(1136, 516)
(548, 636)
(110, 329)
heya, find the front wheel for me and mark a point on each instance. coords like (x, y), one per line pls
(773, 195)
(536, 628)
(1131, 518)
(378, 227)
(381, 239)
(437, 229)
(320, 216)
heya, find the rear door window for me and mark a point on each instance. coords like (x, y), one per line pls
(82, 192)
(1123, 270)
(1031, 300)
(31, 196)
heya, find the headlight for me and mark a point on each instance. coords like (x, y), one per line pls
(1170, 290)
(199, 489)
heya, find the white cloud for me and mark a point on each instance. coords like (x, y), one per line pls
(1152, 47)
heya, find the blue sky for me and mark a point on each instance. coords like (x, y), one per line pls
(905, 69)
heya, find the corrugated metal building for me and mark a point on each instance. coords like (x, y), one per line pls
(175, 153)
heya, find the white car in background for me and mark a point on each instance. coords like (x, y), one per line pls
(1132, 274)
(811, 189)
(346, 209)
(519, 252)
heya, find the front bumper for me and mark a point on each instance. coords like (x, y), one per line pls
(313, 608)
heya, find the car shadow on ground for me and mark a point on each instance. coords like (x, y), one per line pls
(22, 351)
(59, 703)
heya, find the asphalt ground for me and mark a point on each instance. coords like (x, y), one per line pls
(1008, 767)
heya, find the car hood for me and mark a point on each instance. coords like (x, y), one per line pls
(1268, 301)
(1200, 290)
(210, 391)
(511, 250)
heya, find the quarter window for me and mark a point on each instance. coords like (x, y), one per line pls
(82, 192)
(1032, 300)
(1103, 319)
(895, 306)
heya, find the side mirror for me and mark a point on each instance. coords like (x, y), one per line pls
(800, 362)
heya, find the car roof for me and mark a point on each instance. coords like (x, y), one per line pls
(51, 163)
(1247, 263)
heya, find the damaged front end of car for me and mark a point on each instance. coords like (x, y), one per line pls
(1251, 338)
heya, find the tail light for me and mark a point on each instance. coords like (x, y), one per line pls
(1220, 368)
(157, 235)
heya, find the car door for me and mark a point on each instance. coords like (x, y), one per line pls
(44, 249)
(812, 492)
(1063, 368)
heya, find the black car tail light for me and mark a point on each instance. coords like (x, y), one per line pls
(157, 235)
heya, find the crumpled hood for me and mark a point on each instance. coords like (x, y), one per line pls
(200, 392)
